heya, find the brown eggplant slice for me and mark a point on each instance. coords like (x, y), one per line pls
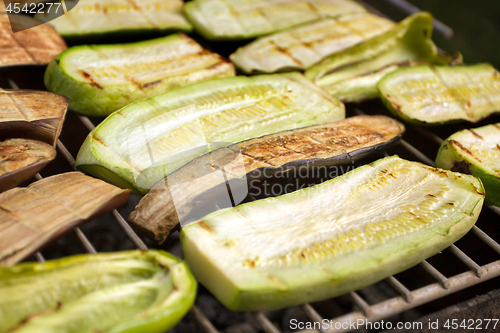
(34, 46)
(31, 114)
(32, 216)
(20, 159)
(159, 212)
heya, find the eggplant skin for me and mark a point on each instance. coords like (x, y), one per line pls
(341, 142)
(476, 152)
(129, 291)
(311, 244)
(87, 93)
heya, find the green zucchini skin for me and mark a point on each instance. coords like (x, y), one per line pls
(104, 19)
(476, 152)
(310, 245)
(85, 73)
(176, 126)
(221, 20)
(435, 95)
(130, 291)
(352, 75)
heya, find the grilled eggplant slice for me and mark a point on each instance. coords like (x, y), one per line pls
(326, 240)
(20, 159)
(36, 115)
(92, 18)
(35, 46)
(442, 94)
(352, 75)
(244, 19)
(98, 85)
(301, 47)
(33, 216)
(144, 142)
(476, 152)
(130, 291)
(342, 142)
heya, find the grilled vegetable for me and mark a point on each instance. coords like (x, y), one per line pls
(301, 47)
(243, 19)
(159, 212)
(129, 291)
(311, 244)
(475, 152)
(36, 115)
(97, 84)
(352, 75)
(92, 18)
(33, 216)
(35, 46)
(440, 94)
(20, 159)
(144, 142)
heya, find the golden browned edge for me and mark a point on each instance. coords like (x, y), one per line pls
(32, 217)
(20, 159)
(34, 46)
(156, 216)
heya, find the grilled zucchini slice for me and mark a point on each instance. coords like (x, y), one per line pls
(97, 84)
(352, 75)
(199, 183)
(441, 94)
(244, 19)
(144, 142)
(326, 240)
(92, 18)
(301, 47)
(129, 291)
(476, 152)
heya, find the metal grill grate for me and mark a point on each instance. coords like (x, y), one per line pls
(370, 307)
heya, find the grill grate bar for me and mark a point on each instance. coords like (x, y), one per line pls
(39, 256)
(129, 231)
(360, 303)
(417, 153)
(264, 322)
(400, 288)
(487, 239)
(312, 314)
(467, 260)
(202, 320)
(85, 241)
(432, 271)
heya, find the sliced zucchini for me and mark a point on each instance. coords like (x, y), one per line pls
(352, 75)
(326, 240)
(301, 47)
(144, 142)
(476, 152)
(102, 79)
(109, 17)
(31, 44)
(441, 94)
(129, 291)
(244, 19)
(197, 183)
(20, 159)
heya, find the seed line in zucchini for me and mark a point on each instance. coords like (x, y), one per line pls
(476, 152)
(313, 244)
(129, 291)
(441, 94)
(301, 47)
(242, 19)
(146, 141)
(353, 74)
(112, 17)
(102, 79)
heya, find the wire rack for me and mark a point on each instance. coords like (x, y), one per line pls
(366, 306)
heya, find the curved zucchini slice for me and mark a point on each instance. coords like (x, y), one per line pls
(149, 139)
(129, 291)
(245, 19)
(353, 74)
(476, 152)
(98, 84)
(301, 47)
(197, 183)
(441, 94)
(311, 244)
(109, 17)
